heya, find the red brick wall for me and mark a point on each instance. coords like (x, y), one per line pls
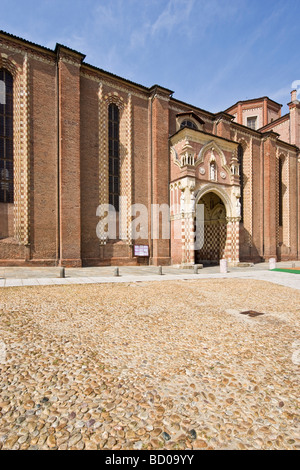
(43, 157)
(69, 163)
(43, 181)
(257, 238)
(160, 170)
(7, 220)
(89, 168)
(64, 166)
(269, 198)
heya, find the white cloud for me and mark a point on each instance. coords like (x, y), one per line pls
(175, 14)
(282, 93)
(106, 15)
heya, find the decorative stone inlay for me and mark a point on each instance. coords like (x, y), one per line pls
(21, 146)
(125, 156)
(36, 55)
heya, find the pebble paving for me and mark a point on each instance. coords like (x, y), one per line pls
(150, 365)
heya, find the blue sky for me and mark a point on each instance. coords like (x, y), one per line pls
(211, 53)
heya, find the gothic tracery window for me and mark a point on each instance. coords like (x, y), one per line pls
(114, 155)
(6, 137)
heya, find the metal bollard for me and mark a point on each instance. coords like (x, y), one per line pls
(196, 269)
(160, 270)
(116, 272)
(62, 273)
(293, 265)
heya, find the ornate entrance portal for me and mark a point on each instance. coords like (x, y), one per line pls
(215, 230)
(205, 176)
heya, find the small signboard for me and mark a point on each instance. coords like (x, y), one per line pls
(141, 251)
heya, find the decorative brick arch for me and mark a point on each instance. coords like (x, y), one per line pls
(214, 188)
(115, 98)
(212, 145)
(282, 200)
(231, 246)
(21, 146)
(125, 108)
(243, 143)
(247, 188)
(10, 65)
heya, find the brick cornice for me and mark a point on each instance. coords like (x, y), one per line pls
(270, 135)
(43, 55)
(68, 55)
(195, 135)
(164, 93)
(294, 104)
(224, 116)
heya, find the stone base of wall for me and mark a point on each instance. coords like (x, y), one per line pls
(70, 263)
(96, 262)
(10, 249)
(251, 259)
(160, 261)
(20, 263)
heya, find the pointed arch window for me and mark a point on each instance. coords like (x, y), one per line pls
(114, 155)
(6, 137)
(280, 192)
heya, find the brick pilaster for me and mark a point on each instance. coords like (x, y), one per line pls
(223, 122)
(160, 166)
(269, 199)
(294, 107)
(69, 155)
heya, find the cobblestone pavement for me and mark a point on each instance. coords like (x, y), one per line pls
(147, 365)
(26, 273)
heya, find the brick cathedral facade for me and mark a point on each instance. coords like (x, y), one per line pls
(74, 137)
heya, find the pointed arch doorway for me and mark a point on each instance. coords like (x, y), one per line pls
(215, 230)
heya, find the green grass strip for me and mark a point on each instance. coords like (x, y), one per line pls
(292, 271)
